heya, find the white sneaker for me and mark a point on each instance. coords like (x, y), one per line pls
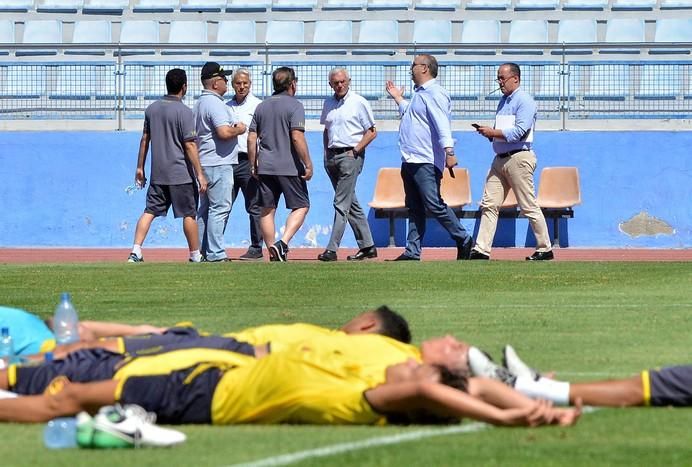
(7, 394)
(513, 363)
(131, 426)
(481, 364)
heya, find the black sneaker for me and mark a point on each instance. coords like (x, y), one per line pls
(133, 258)
(252, 254)
(278, 252)
(464, 249)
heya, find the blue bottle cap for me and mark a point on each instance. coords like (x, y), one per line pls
(5, 331)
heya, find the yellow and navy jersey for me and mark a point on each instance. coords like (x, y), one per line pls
(175, 360)
(317, 381)
(282, 336)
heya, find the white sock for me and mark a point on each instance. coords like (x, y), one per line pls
(7, 394)
(137, 249)
(195, 256)
(544, 388)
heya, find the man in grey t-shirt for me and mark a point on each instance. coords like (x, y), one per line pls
(217, 136)
(170, 128)
(279, 158)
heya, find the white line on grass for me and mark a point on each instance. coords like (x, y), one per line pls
(340, 448)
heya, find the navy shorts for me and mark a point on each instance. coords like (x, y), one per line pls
(173, 399)
(294, 189)
(183, 338)
(184, 199)
(670, 386)
(81, 366)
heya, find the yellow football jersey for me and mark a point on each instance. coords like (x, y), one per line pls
(317, 381)
(165, 363)
(281, 336)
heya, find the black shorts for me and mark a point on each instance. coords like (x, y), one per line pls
(183, 198)
(294, 189)
(670, 386)
(173, 399)
(182, 338)
(81, 366)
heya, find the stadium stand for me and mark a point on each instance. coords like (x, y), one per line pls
(389, 4)
(20, 6)
(6, 34)
(90, 32)
(527, 31)
(114, 7)
(378, 32)
(344, 4)
(285, 32)
(584, 5)
(60, 6)
(536, 5)
(444, 5)
(674, 30)
(246, 5)
(431, 31)
(479, 32)
(200, 6)
(139, 32)
(186, 32)
(575, 31)
(294, 5)
(656, 83)
(332, 32)
(235, 33)
(41, 32)
(624, 30)
(488, 4)
(607, 82)
(629, 5)
(156, 6)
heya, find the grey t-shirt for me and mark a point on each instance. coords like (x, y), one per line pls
(274, 119)
(210, 113)
(169, 123)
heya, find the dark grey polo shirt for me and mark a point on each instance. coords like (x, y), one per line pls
(273, 121)
(169, 123)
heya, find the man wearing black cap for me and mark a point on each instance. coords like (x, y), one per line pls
(282, 162)
(217, 137)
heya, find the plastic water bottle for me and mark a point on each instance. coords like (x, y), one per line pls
(65, 321)
(6, 348)
(60, 433)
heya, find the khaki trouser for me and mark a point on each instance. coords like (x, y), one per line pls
(516, 172)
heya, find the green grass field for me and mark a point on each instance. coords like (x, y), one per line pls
(585, 320)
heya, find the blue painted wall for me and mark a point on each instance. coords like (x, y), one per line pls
(68, 189)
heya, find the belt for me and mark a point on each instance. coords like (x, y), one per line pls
(242, 156)
(335, 151)
(504, 155)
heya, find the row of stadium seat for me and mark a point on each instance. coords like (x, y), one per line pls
(116, 6)
(586, 82)
(342, 32)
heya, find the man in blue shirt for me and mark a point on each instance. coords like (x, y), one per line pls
(513, 166)
(427, 147)
(217, 137)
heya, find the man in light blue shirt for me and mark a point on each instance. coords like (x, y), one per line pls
(217, 137)
(427, 148)
(513, 166)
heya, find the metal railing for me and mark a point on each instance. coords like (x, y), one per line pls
(121, 82)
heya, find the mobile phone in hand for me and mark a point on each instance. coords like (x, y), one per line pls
(475, 125)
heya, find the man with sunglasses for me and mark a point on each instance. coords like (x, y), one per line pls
(513, 165)
(427, 149)
(217, 137)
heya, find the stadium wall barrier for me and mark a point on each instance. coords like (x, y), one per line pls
(69, 189)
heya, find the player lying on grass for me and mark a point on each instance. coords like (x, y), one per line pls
(337, 380)
(31, 335)
(382, 320)
(89, 365)
(671, 386)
